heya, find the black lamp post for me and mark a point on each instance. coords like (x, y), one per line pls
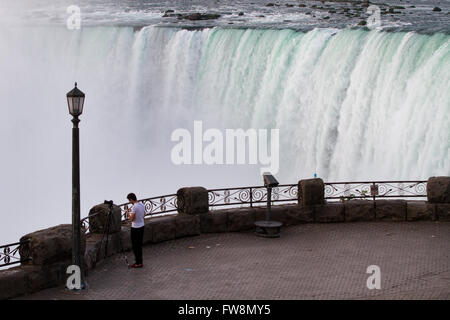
(75, 101)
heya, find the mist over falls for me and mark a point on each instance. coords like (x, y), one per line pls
(350, 105)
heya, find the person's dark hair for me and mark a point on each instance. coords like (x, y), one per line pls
(131, 196)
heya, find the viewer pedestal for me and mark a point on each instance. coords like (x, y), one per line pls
(268, 229)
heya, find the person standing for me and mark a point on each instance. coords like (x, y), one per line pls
(136, 215)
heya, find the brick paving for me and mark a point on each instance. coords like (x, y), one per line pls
(309, 261)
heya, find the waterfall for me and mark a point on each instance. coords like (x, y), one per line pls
(350, 105)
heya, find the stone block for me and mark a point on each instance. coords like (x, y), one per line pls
(90, 256)
(331, 212)
(148, 232)
(50, 245)
(359, 210)
(279, 213)
(287, 214)
(241, 219)
(438, 190)
(311, 192)
(390, 210)
(48, 276)
(163, 228)
(192, 200)
(299, 214)
(261, 213)
(125, 236)
(214, 221)
(99, 218)
(443, 211)
(187, 225)
(105, 246)
(420, 211)
(12, 283)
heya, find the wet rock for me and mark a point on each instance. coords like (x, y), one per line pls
(240, 14)
(201, 16)
(168, 15)
(392, 11)
(362, 23)
(437, 9)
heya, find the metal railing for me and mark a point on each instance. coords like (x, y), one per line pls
(250, 197)
(155, 205)
(375, 190)
(14, 253)
(288, 193)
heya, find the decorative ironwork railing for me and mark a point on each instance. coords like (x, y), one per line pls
(251, 195)
(155, 205)
(14, 253)
(374, 189)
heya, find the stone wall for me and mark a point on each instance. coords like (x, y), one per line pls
(50, 249)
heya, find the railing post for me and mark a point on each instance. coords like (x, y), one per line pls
(251, 197)
(192, 200)
(311, 192)
(374, 195)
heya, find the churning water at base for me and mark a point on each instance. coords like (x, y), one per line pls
(350, 105)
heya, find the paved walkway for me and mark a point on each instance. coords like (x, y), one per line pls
(310, 261)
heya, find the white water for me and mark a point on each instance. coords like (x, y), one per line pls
(349, 105)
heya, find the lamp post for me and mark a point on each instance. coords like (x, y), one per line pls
(75, 101)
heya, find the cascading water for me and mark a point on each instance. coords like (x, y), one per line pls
(350, 104)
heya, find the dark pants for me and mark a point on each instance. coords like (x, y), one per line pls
(137, 237)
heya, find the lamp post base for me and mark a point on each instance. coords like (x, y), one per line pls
(268, 229)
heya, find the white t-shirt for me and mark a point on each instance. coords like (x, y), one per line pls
(139, 212)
